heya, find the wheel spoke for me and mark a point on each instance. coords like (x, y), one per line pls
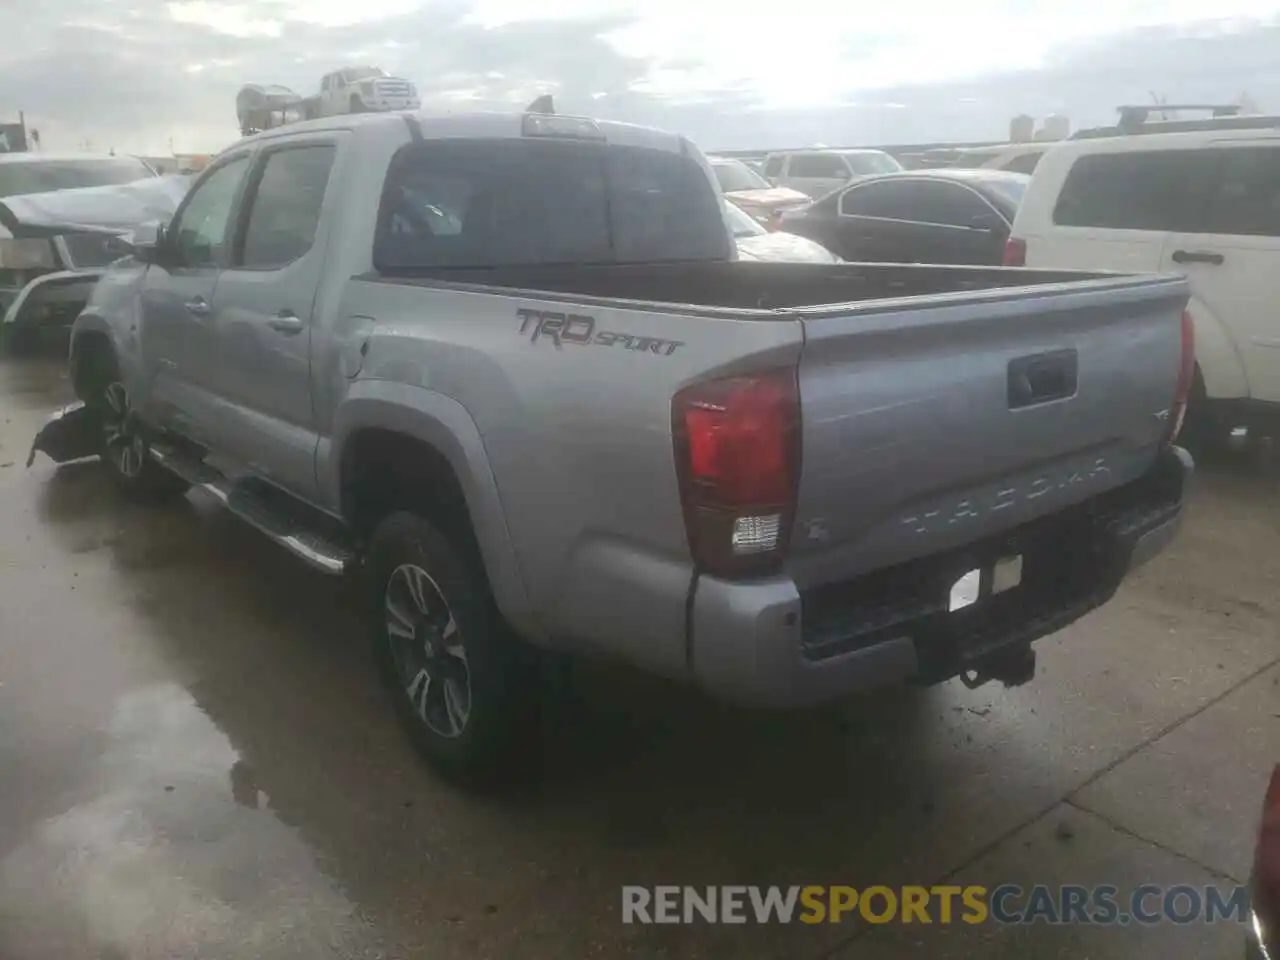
(419, 689)
(399, 624)
(453, 705)
(457, 652)
(449, 634)
(415, 579)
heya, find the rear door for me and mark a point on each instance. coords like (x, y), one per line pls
(957, 225)
(263, 312)
(1232, 258)
(176, 302)
(919, 220)
(876, 222)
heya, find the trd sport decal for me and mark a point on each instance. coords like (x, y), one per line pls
(580, 330)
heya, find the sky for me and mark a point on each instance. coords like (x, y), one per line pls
(137, 75)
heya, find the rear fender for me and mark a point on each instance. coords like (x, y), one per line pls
(444, 424)
(1220, 366)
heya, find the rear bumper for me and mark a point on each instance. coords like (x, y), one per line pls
(769, 644)
(54, 299)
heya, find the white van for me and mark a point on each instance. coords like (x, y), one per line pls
(1203, 202)
(816, 173)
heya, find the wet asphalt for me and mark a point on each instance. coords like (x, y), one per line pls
(196, 760)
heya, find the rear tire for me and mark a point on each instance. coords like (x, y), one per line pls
(461, 683)
(1203, 431)
(124, 449)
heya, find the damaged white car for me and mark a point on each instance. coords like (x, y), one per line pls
(60, 219)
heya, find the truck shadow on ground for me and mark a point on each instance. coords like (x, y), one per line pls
(625, 766)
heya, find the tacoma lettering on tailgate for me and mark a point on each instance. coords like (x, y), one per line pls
(971, 508)
(578, 329)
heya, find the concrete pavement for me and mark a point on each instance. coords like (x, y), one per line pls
(196, 760)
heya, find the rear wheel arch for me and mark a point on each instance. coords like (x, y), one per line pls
(383, 470)
(1218, 362)
(380, 417)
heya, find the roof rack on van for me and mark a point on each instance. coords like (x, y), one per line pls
(1137, 120)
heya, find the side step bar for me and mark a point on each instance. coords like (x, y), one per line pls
(252, 501)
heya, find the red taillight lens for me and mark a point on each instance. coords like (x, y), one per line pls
(1186, 375)
(1015, 252)
(1267, 862)
(737, 446)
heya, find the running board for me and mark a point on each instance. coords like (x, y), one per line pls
(251, 501)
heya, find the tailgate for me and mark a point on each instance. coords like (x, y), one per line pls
(932, 422)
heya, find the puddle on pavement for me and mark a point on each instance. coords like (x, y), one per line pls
(175, 853)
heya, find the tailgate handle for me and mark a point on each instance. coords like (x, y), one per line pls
(1042, 378)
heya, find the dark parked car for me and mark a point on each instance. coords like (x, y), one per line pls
(916, 216)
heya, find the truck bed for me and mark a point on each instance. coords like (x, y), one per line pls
(737, 286)
(940, 404)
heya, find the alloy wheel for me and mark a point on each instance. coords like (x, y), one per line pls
(125, 447)
(427, 651)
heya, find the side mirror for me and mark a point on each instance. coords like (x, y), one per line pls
(147, 242)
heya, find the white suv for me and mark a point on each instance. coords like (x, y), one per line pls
(1204, 203)
(816, 173)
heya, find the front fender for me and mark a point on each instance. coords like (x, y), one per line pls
(112, 312)
(1221, 368)
(443, 423)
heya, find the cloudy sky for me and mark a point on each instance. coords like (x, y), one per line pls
(134, 74)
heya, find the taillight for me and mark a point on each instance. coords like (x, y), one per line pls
(1186, 375)
(1266, 868)
(1015, 252)
(737, 447)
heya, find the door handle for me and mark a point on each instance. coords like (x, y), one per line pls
(1198, 256)
(198, 307)
(285, 322)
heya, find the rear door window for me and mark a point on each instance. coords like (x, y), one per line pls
(948, 204)
(526, 202)
(885, 200)
(818, 166)
(285, 209)
(1246, 201)
(1147, 190)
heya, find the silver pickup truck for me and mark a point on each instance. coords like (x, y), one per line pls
(506, 370)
